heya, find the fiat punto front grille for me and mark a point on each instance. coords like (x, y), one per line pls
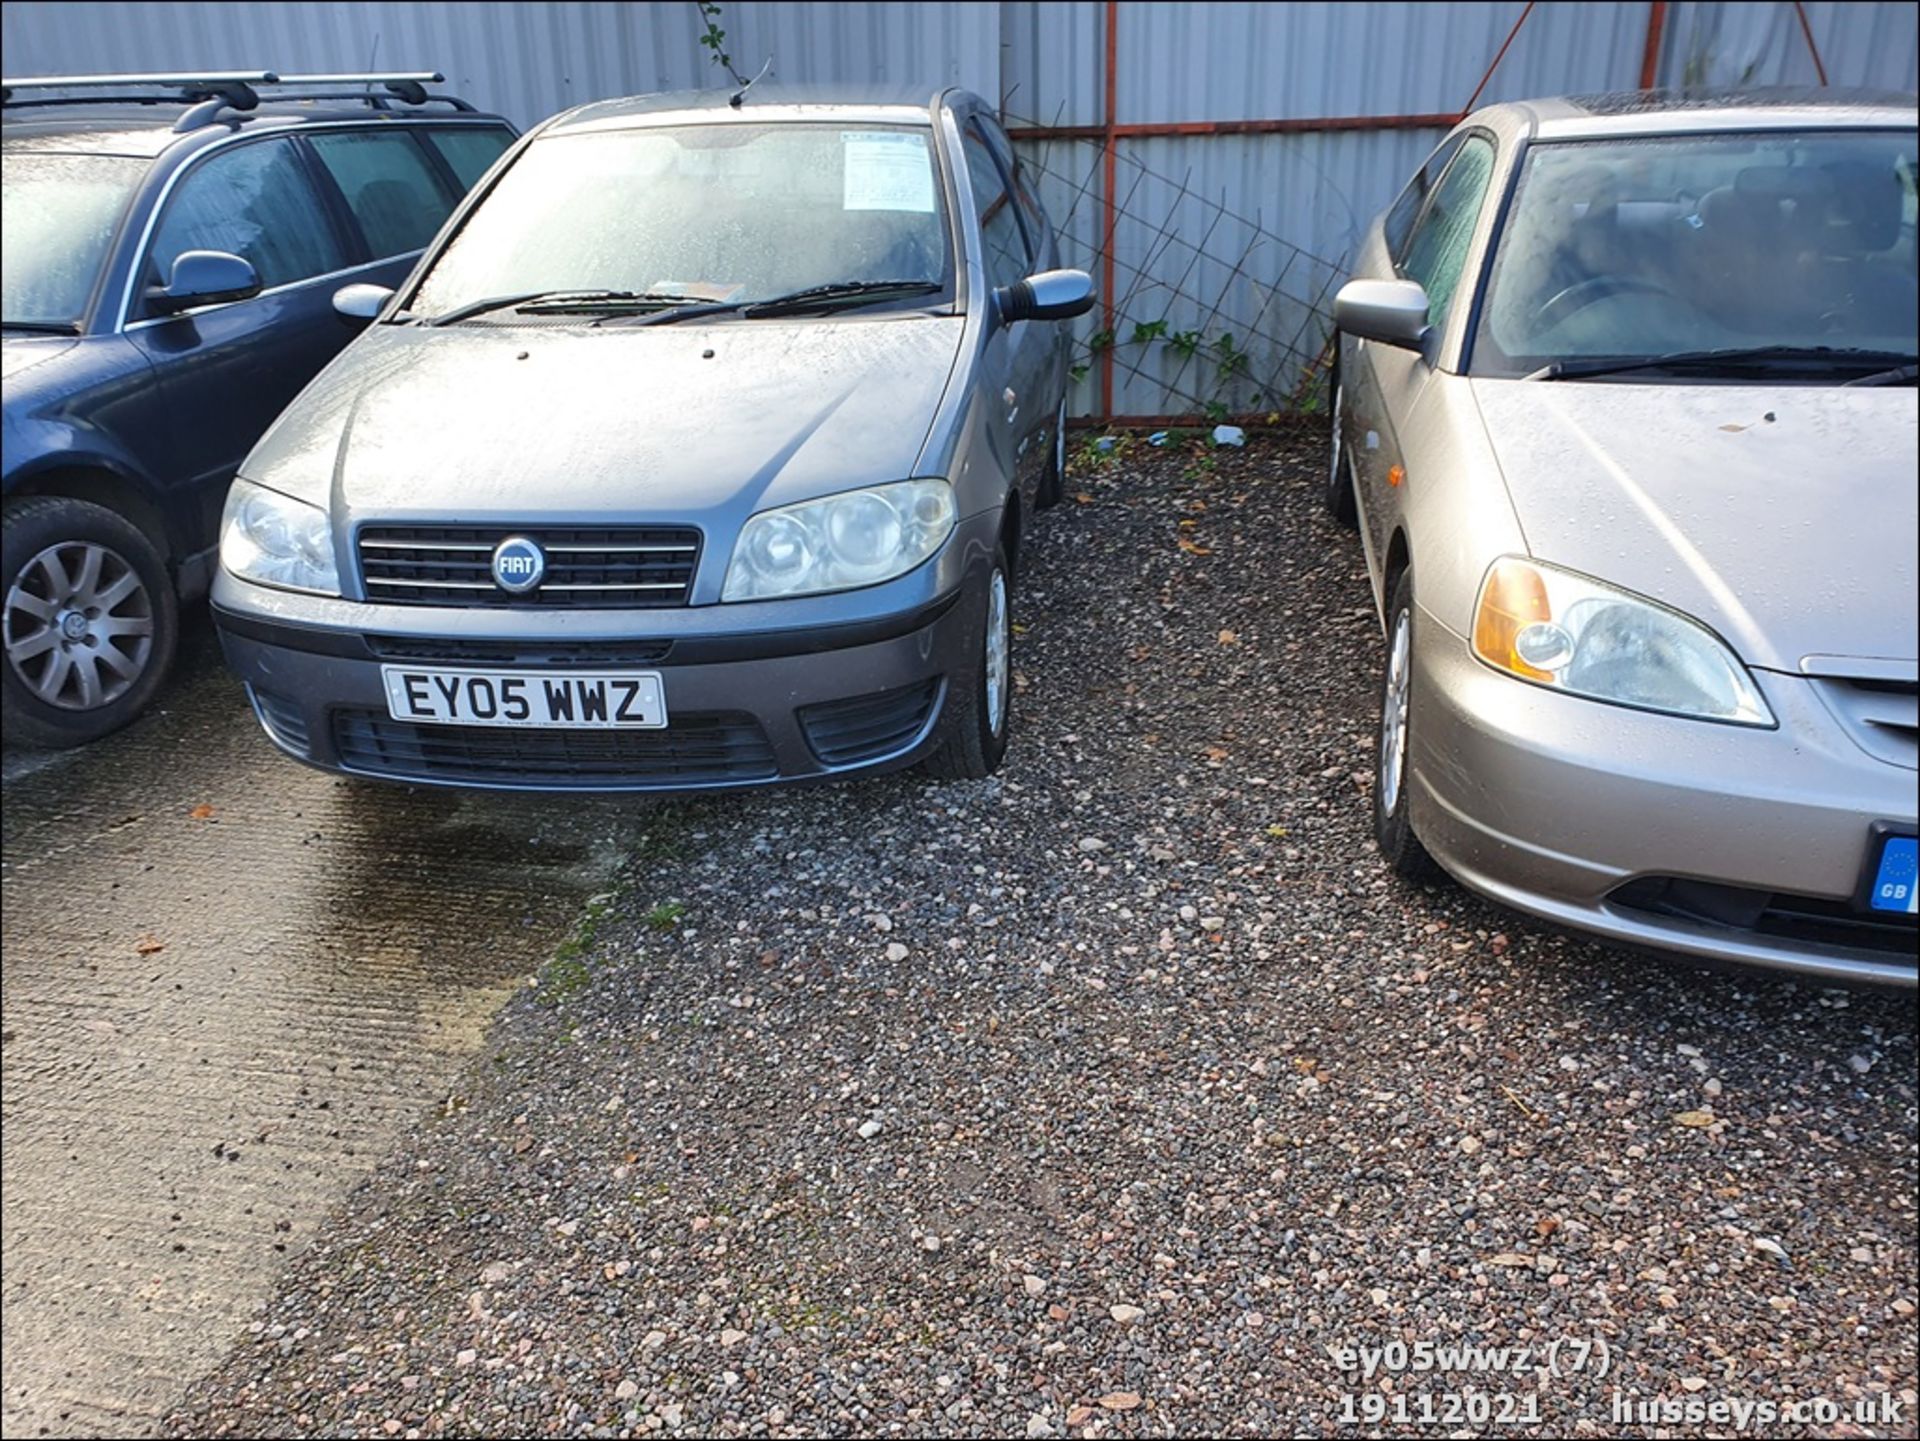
(607, 567)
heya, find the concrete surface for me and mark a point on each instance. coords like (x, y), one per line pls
(229, 982)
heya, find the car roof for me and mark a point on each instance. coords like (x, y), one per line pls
(1675, 112)
(145, 129)
(764, 101)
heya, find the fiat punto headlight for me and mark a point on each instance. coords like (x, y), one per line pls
(276, 540)
(1563, 630)
(860, 537)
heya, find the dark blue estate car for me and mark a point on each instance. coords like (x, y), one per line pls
(170, 253)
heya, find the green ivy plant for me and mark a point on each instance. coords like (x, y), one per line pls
(715, 39)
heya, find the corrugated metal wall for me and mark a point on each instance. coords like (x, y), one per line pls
(1175, 62)
(523, 60)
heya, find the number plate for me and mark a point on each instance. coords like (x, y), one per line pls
(590, 699)
(1895, 886)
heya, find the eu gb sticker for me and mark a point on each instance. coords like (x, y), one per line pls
(1897, 885)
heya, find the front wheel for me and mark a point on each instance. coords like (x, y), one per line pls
(982, 701)
(90, 621)
(1393, 769)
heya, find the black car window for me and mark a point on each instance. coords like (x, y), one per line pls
(390, 186)
(256, 202)
(1399, 221)
(1437, 249)
(1004, 248)
(470, 149)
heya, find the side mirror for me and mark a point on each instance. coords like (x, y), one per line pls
(204, 277)
(361, 302)
(1050, 295)
(1393, 312)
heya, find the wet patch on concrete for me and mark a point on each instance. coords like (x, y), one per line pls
(229, 982)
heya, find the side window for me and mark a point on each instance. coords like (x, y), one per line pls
(1032, 218)
(257, 202)
(1004, 247)
(1399, 221)
(1438, 247)
(389, 185)
(471, 149)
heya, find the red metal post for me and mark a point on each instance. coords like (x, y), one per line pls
(1108, 203)
(1502, 55)
(1650, 58)
(1806, 29)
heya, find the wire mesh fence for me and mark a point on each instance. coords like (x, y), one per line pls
(1214, 314)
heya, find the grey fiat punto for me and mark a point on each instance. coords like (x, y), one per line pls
(696, 452)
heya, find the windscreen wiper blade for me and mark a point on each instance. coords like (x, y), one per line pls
(43, 327)
(561, 302)
(838, 295)
(612, 302)
(1899, 375)
(1743, 357)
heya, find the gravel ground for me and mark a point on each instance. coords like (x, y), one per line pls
(1113, 1095)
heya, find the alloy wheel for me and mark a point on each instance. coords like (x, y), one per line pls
(1393, 714)
(999, 651)
(79, 625)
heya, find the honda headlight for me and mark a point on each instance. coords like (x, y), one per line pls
(276, 540)
(857, 538)
(1562, 630)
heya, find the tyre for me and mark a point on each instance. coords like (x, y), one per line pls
(1053, 485)
(90, 621)
(1392, 776)
(1338, 490)
(981, 705)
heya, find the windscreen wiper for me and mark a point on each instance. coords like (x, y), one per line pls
(565, 302)
(43, 327)
(1728, 358)
(1899, 375)
(839, 295)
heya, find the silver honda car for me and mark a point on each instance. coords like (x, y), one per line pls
(697, 452)
(1626, 417)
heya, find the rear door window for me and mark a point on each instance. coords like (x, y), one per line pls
(255, 201)
(470, 149)
(390, 186)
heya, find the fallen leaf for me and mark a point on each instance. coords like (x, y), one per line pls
(1511, 1258)
(1192, 549)
(1695, 1118)
(1083, 498)
(1734, 428)
(148, 945)
(1120, 1400)
(1079, 1415)
(201, 812)
(1228, 637)
(1547, 1225)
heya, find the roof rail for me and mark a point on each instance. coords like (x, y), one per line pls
(233, 89)
(409, 87)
